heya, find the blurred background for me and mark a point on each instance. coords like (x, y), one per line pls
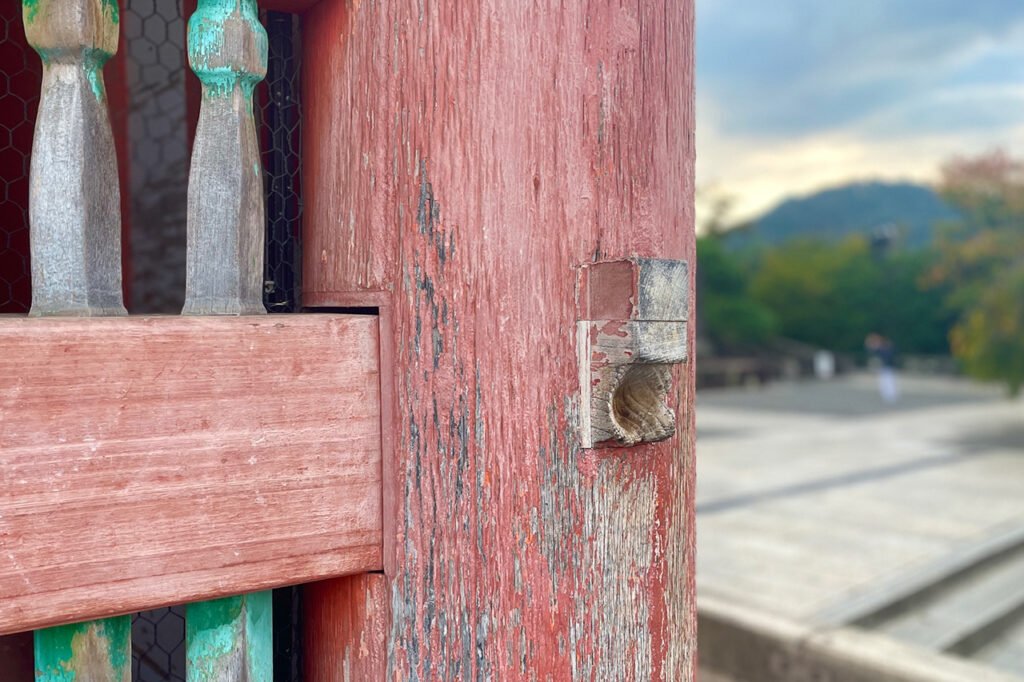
(860, 339)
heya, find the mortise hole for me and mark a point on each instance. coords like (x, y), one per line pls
(638, 408)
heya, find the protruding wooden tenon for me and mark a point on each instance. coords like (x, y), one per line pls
(631, 330)
(75, 203)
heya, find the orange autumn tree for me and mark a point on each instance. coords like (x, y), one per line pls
(982, 258)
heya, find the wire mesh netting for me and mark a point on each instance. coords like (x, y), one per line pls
(19, 99)
(151, 121)
(153, 48)
(151, 118)
(278, 119)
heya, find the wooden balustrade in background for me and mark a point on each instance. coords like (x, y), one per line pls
(154, 488)
(75, 242)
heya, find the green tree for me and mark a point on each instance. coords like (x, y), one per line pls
(728, 315)
(832, 295)
(982, 261)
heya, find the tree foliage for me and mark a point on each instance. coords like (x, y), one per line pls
(729, 316)
(982, 261)
(833, 295)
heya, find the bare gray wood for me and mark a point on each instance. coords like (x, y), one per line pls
(75, 201)
(227, 49)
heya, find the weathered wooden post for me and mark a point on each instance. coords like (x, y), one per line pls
(461, 167)
(98, 651)
(227, 49)
(74, 205)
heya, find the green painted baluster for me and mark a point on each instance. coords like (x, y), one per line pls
(75, 226)
(97, 651)
(230, 639)
(227, 49)
(227, 639)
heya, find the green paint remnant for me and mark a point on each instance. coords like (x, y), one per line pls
(110, 7)
(95, 651)
(29, 10)
(206, 47)
(66, 49)
(92, 62)
(230, 638)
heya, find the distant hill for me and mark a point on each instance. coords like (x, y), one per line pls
(863, 208)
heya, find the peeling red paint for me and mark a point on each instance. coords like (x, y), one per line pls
(467, 159)
(614, 328)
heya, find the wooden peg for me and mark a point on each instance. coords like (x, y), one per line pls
(631, 331)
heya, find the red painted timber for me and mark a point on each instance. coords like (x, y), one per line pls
(150, 461)
(465, 158)
(353, 609)
(116, 82)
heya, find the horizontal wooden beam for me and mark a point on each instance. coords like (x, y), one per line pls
(151, 461)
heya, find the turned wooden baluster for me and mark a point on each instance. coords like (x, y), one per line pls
(231, 638)
(75, 237)
(227, 49)
(75, 204)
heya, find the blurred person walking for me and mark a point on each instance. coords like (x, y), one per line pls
(885, 350)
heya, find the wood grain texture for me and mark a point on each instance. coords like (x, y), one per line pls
(466, 158)
(74, 203)
(345, 629)
(149, 461)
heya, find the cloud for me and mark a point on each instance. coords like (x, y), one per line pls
(799, 65)
(795, 95)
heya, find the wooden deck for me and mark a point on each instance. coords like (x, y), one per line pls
(818, 504)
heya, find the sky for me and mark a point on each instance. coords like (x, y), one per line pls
(797, 95)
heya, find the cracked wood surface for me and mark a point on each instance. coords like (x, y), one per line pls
(466, 159)
(145, 461)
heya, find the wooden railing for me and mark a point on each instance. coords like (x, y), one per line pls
(141, 461)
